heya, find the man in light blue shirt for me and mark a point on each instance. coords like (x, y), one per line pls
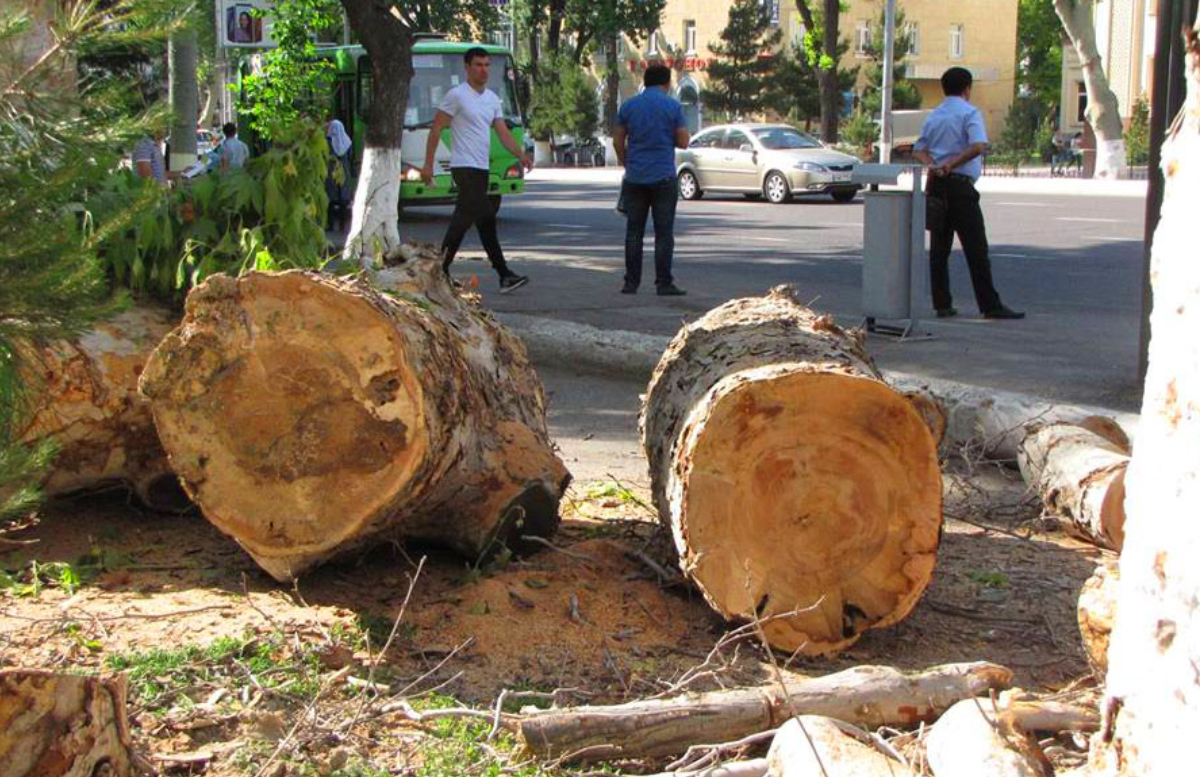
(951, 144)
(649, 129)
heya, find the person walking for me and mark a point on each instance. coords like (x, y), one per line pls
(472, 111)
(234, 152)
(338, 192)
(649, 129)
(951, 142)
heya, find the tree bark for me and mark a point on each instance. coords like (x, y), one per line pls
(811, 745)
(184, 96)
(870, 696)
(1096, 613)
(309, 416)
(799, 488)
(1080, 476)
(93, 411)
(612, 84)
(62, 725)
(827, 78)
(374, 235)
(1103, 111)
(1152, 702)
(973, 738)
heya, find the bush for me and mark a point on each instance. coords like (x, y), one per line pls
(563, 101)
(1137, 137)
(860, 132)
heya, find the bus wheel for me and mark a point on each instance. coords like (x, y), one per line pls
(495, 200)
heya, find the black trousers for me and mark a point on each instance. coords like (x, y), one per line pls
(964, 218)
(473, 208)
(642, 200)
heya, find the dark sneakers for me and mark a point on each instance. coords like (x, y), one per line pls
(1003, 312)
(512, 281)
(671, 291)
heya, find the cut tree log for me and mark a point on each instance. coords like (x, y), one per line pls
(799, 488)
(90, 406)
(309, 416)
(815, 746)
(1097, 613)
(1080, 476)
(61, 725)
(973, 739)
(869, 696)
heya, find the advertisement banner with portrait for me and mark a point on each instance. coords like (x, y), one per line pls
(244, 23)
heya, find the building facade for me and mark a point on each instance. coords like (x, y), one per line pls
(1125, 32)
(980, 35)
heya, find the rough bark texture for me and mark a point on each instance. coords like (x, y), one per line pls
(798, 487)
(1103, 111)
(309, 415)
(60, 725)
(870, 696)
(974, 739)
(374, 234)
(1097, 612)
(184, 97)
(1153, 694)
(1081, 479)
(92, 409)
(811, 745)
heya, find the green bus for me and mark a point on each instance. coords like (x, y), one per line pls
(437, 68)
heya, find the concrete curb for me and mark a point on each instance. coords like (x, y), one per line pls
(974, 414)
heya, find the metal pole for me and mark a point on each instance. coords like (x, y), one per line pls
(889, 45)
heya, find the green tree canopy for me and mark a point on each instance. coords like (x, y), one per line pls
(904, 94)
(564, 101)
(1040, 39)
(740, 76)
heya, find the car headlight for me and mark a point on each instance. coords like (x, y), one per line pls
(410, 173)
(811, 167)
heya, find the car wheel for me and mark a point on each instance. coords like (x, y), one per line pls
(843, 195)
(689, 187)
(775, 188)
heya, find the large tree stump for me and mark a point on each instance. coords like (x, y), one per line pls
(90, 406)
(792, 478)
(60, 725)
(1080, 476)
(1096, 612)
(308, 416)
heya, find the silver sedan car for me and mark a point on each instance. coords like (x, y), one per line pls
(772, 160)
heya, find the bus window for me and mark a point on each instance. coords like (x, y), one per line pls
(436, 74)
(363, 91)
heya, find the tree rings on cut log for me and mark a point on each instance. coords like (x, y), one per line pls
(308, 415)
(799, 488)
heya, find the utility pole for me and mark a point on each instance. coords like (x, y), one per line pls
(889, 66)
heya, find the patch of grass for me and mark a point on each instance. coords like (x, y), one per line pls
(377, 627)
(611, 490)
(989, 579)
(37, 576)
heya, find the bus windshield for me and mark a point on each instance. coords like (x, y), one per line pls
(436, 74)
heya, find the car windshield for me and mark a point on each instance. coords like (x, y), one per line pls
(777, 138)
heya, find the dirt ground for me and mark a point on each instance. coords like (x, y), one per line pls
(589, 614)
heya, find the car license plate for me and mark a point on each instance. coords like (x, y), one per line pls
(841, 176)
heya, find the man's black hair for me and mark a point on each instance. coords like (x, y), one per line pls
(955, 81)
(230, 129)
(475, 52)
(657, 74)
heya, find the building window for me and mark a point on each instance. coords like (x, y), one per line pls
(689, 36)
(913, 33)
(1081, 102)
(862, 39)
(770, 10)
(652, 44)
(956, 41)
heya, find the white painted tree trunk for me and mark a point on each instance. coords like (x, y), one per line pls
(1152, 700)
(374, 233)
(1103, 111)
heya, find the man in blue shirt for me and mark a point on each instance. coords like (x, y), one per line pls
(951, 142)
(649, 129)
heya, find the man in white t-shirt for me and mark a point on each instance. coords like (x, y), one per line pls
(472, 111)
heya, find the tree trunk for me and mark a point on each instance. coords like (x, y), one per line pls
(1096, 613)
(1103, 111)
(1152, 700)
(811, 745)
(799, 488)
(831, 93)
(308, 416)
(93, 411)
(870, 696)
(374, 235)
(1080, 476)
(612, 84)
(184, 96)
(62, 725)
(973, 738)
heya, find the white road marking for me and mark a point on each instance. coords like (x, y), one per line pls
(1118, 239)
(1025, 204)
(1093, 221)
(1014, 256)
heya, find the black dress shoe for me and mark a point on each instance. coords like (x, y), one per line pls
(671, 291)
(629, 289)
(947, 312)
(1003, 312)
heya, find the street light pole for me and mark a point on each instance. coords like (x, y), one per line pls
(889, 45)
